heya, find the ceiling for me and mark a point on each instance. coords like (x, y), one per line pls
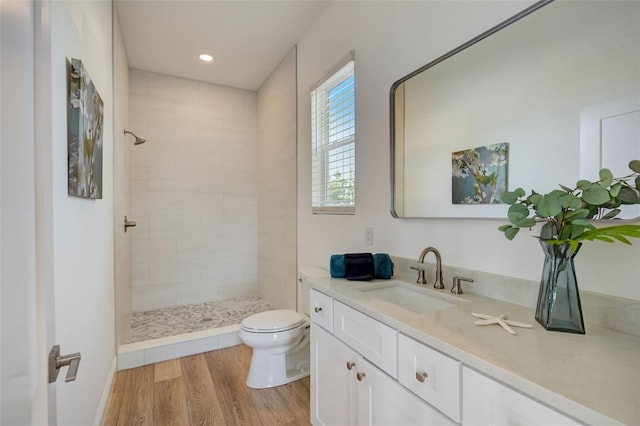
(246, 38)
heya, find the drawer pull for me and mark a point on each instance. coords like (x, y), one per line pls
(350, 365)
(421, 376)
(360, 375)
(317, 310)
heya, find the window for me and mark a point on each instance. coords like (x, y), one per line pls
(333, 142)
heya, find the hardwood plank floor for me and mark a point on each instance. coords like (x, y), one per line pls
(203, 389)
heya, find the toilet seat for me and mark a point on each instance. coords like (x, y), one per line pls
(272, 321)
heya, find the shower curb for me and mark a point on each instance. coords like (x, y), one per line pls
(137, 354)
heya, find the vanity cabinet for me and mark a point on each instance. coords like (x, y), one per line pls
(349, 390)
(487, 402)
(354, 369)
(430, 374)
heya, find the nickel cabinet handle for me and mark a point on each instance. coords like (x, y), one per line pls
(421, 376)
(360, 375)
(350, 365)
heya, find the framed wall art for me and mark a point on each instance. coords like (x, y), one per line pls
(85, 118)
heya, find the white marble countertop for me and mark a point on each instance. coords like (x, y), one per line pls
(594, 378)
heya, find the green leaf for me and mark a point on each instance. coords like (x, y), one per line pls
(629, 195)
(511, 233)
(635, 166)
(578, 214)
(613, 213)
(534, 199)
(595, 195)
(566, 188)
(549, 205)
(570, 201)
(615, 189)
(510, 197)
(583, 184)
(517, 212)
(606, 178)
(583, 223)
(503, 228)
(528, 222)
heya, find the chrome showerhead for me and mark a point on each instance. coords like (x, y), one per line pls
(138, 140)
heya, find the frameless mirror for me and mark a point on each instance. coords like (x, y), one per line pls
(547, 97)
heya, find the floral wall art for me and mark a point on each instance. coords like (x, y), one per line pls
(84, 133)
(479, 175)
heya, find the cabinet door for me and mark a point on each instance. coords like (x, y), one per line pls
(487, 402)
(333, 384)
(383, 401)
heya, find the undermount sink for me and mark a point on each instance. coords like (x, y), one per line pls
(408, 296)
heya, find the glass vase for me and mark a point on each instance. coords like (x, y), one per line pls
(558, 307)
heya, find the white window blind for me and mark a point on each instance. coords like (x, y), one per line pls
(333, 143)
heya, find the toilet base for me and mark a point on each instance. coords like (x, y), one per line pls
(269, 370)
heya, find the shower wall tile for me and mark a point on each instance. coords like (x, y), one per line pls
(194, 191)
(147, 298)
(201, 291)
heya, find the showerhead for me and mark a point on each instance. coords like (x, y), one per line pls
(138, 140)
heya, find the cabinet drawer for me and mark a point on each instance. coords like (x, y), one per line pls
(321, 307)
(487, 402)
(431, 375)
(375, 341)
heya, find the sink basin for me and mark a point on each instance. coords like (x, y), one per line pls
(408, 296)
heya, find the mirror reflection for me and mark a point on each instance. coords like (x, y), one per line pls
(557, 87)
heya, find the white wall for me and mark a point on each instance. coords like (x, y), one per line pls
(122, 240)
(193, 191)
(392, 39)
(277, 185)
(75, 235)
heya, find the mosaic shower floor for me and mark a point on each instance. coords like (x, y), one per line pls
(189, 318)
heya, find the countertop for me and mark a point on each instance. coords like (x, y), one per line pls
(594, 378)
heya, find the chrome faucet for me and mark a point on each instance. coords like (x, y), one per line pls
(439, 284)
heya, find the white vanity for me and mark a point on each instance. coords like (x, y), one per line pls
(380, 360)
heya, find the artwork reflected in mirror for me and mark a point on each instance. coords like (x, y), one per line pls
(479, 175)
(557, 81)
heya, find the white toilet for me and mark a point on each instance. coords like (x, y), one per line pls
(280, 343)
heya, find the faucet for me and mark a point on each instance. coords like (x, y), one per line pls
(421, 278)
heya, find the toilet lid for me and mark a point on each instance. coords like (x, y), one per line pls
(272, 321)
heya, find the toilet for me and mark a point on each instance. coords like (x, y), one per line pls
(280, 343)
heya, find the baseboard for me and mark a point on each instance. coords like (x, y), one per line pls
(106, 393)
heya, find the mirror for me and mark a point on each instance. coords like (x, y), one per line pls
(559, 84)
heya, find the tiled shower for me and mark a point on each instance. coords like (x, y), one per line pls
(193, 195)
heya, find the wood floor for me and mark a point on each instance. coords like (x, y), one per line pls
(203, 389)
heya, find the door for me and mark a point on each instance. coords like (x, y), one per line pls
(333, 380)
(23, 389)
(383, 401)
(610, 138)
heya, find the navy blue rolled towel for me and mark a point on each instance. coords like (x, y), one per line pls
(336, 266)
(382, 265)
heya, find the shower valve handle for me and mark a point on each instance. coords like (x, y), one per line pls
(128, 224)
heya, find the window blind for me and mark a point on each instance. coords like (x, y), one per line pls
(333, 143)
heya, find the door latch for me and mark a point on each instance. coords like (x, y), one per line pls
(56, 362)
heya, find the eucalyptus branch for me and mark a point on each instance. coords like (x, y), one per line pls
(568, 213)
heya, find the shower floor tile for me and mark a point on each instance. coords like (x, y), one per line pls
(189, 318)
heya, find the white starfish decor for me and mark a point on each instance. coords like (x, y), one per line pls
(502, 321)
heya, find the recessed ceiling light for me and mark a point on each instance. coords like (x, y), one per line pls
(205, 57)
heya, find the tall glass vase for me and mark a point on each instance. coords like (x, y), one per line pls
(559, 306)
